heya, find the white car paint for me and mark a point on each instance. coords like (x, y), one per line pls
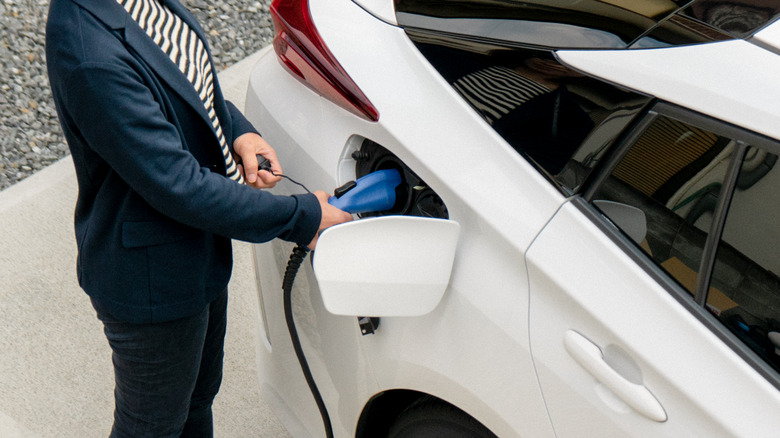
(770, 36)
(701, 384)
(709, 78)
(474, 349)
(382, 9)
(385, 266)
(491, 307)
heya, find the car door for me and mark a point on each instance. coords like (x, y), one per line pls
(651, 309)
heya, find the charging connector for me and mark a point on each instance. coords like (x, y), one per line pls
(371, 193)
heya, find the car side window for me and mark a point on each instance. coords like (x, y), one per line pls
(748, 257)
(530, 103)
(659, 192)
(558, 119)
(669, 192)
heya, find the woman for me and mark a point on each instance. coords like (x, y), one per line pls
(160, 157)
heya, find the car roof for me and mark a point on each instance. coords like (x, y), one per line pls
(734, 81)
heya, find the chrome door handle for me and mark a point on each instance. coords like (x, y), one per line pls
(589, 356)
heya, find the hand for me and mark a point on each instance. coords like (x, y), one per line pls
(247, 146)
(330, 215)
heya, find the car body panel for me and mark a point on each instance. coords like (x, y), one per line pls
(431, 354)
(769, 36)
(382, 9)
(626, 310)
(294, 117)
(709, 78)
(474, 350)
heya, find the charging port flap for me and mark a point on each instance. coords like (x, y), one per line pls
(385, 266)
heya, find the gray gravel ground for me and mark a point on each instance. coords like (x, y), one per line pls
(30, 135)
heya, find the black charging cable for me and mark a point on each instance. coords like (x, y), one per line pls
(289, 179)
(293, 264)
(264, 164)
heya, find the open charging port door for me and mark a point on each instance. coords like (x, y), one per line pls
(385, 266)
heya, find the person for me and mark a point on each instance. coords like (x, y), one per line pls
(160, 156)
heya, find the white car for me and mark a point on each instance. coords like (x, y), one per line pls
(585, 242)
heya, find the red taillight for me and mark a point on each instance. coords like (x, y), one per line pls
(302, 51)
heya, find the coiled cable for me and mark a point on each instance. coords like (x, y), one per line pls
(293, 264)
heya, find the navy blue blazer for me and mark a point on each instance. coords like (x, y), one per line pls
(155, 213)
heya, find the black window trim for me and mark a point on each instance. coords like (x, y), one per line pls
(630, 128)
(618, 150)
(694, 305)
(714, 235)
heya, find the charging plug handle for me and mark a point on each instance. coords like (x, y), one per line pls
(263, 163)
(370, 193)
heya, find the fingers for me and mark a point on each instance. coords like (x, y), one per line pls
(262, 178)
(250, 170)
(330, 216)
(248, 147)
(268, 179)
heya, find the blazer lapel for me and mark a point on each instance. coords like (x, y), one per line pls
(114, 15)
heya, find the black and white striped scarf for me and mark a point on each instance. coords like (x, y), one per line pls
(182, 45)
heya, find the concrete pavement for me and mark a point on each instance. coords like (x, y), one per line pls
(56, 378)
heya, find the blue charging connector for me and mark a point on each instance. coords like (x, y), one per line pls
(370, 193)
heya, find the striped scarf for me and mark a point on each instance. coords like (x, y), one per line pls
(182, 45)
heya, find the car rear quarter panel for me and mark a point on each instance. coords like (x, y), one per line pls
(473, 349)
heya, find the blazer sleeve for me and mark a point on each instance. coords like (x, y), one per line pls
(119, 119)
(240, 124)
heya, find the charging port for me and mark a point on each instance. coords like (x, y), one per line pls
(413, 196)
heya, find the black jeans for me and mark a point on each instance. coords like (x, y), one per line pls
(167, 374)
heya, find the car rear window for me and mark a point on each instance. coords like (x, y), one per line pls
(740, 19)
(558, 119)
(556, 24)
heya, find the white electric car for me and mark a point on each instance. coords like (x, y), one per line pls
(585, 242)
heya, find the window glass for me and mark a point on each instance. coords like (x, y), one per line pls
(588, 24)
(531, 105)
(560, 120)
(663, 192)
(739, 18)
(548, 23)
(748, 258)
(679, 30)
